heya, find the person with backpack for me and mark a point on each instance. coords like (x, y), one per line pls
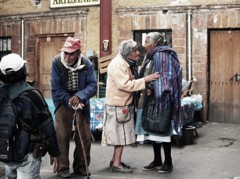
(25, 117)
(73, 83)
(159, 105)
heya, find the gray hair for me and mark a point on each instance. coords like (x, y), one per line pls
(156, 37)
(126, 47)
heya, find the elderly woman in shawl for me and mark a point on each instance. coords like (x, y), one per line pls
(160, 103)
(122, 84)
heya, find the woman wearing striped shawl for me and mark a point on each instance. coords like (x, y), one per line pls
(122, 84)
(159, 104)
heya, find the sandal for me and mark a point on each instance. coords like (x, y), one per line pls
(121, 170)
(123, 164)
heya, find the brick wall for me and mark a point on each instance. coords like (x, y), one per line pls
(175, 18)
(40, 24)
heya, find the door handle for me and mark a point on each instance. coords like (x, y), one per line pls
(236, 77)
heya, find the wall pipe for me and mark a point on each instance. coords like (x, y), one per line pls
(189, 15)
(22, 38)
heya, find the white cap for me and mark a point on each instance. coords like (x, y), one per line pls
(11, 63)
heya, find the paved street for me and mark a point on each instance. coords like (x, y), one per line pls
(215, 154)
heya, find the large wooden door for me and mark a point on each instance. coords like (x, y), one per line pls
(49, 47)
(224, 67)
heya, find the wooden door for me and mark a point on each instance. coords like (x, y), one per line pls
(224, 66)
(48, 48)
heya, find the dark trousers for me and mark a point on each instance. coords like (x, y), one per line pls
(64, 129)
(167, 152)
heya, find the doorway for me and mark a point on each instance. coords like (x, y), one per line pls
(224, 63)
(48, 48)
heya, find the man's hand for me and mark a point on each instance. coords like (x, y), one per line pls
(55, 162)
(79, 106)
(74, 101)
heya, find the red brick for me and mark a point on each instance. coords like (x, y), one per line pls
(196, 20)
(233, 19)
(147, 22)
(179, 33)
(217, 20)
(121, 22)
(179, 50)
(127, 23)
(224, 20)
(210, 20)
(125, 33)
(179, 42)
(153, 21)
(139, 22)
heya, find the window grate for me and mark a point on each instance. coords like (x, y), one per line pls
(5, 46)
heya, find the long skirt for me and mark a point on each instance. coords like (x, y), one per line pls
(116, 133)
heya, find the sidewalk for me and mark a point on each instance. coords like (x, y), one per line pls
(215, 154)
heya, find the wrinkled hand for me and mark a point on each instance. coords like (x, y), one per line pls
(149, 92)
(74, 101)
(79, 106)
(55, 162)
(151, 77)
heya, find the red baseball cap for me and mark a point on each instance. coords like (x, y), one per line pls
(71, 44)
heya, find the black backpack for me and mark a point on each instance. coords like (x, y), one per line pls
(9, 123)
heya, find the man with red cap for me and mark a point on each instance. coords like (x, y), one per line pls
(73, 83)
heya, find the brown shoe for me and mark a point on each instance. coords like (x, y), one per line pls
(153, 165)
(64, 174)
(166, 169)
(83, 173)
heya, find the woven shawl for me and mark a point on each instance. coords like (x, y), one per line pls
(168, 88)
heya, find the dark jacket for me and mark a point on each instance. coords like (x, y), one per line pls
(36, 123)
(87, 85)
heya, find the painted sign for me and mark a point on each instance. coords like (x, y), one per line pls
(72, 3)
